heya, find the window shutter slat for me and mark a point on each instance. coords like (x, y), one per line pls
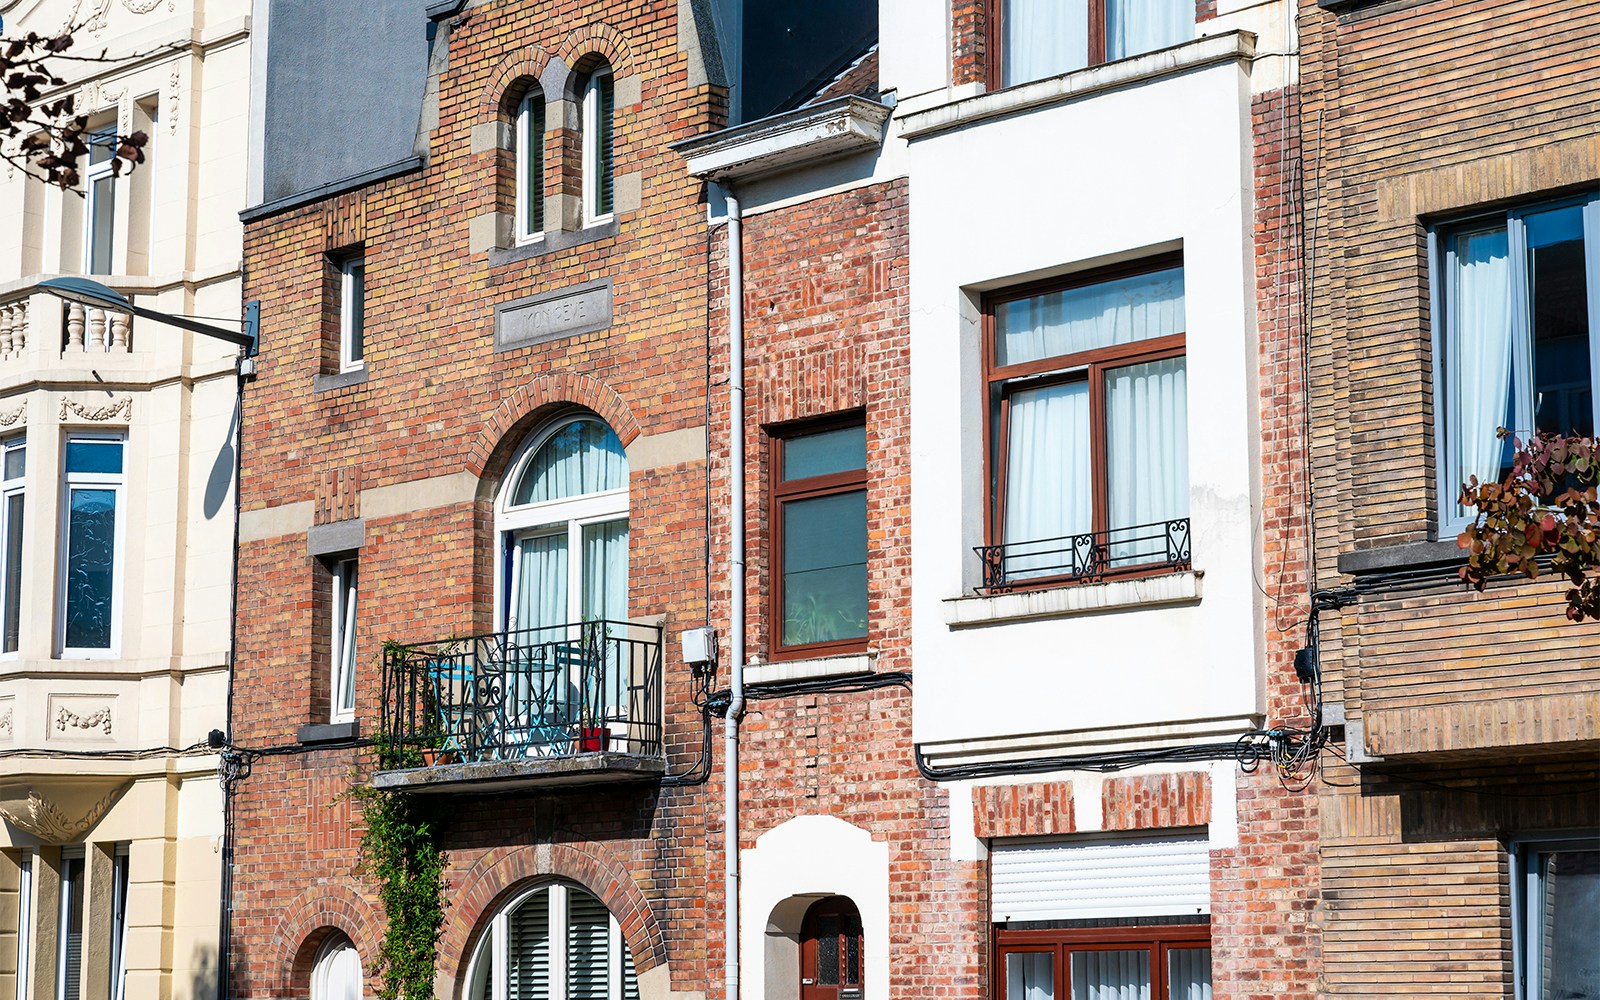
(528, 975)
(603, 182)
(1065, 879)
(588, 948)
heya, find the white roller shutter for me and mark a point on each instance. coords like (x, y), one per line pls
(1075, 878)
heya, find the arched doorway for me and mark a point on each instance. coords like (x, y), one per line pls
(830, 951)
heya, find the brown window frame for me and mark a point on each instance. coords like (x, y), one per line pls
(785, 491)
(1090, 366)
(1157, 938)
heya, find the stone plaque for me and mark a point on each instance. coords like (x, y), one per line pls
(566, 312)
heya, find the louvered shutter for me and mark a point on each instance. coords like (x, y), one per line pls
(603, 174)
(630, 977)
(588, 948)
(1073, 878)
(528, 948)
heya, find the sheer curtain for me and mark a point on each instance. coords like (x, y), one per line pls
(1047, 476)
(1111, 975)
(1030, 976)
(1044, 38)
(582, 457)
(605, 598)
(1120, 311)
(1147, 451)
(541, 598)
(1189, 973)
(1478, 363)
(1135, 26)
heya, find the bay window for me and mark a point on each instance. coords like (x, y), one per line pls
(91, 543)
(1088, 428)
(1034, 39)
(1517, 327)
(819, 537)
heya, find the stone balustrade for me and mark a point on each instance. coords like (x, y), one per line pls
(13, 329)
(92, 330)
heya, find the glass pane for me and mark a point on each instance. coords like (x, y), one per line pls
(1147, 458)
(13, 570)
(539, 590)
(1189, 974)
(1120, 311)
(852, 957)
(1048, 485)
(582, 457)
(356, 322)
(1030, 975)
(828, 951)
(1558, 295)
(841, 450)
(1043, 38)
(91, 551)
(1572, 924)
(605, 598)
(528, 950)
(1478, 359)
(1111, 975)
(102, 223)
(70, 967)
(533, 162)
(588, 947)
(1135, 26)
(346, 587)
(102, 143)
(16, 462)
(104, 457)
(825, 569)
(482, 970)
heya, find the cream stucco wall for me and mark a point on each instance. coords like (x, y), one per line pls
(179, 71)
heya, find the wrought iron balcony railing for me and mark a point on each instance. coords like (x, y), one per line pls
(1086, 558)
(548, 692)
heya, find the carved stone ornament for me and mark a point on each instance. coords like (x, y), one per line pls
(59, 810)
(117, 407)
(173, 98)
(17, 416)
(66, 718)
(6, 723)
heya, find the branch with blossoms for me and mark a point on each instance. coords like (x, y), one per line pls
(1545, 510)
(48, 138)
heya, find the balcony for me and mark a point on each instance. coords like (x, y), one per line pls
(31, 319)
(1092, 557)
(560, 705)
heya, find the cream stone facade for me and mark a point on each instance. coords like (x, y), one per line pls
(117, 517)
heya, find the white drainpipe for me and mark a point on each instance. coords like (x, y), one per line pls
(730, 757)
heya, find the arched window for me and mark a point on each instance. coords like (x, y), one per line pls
(599, 104)
(530, 164)
(556, 942)
(336, 972)
(563, 528)
(830, 951)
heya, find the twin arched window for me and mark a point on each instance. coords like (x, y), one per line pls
(555, 942)
(597, 110)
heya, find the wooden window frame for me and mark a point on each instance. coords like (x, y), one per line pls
(1158, 939)
(786, 491)
(1000, 381)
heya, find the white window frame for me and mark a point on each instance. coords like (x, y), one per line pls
(1527, 922)
(24, 923)
(1442, 291)
(11, 488)
(118, 483)
(63, 918)
(350, 325)
(119, 922)
(591, 147)
(495, 946)
(96, 172)
(569, 515)
(343, 610)
(524, 163)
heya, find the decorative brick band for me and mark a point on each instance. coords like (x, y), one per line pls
(815, 382)
(339, 496)
(306, 922)
(498, 875)
(1154, 801)
(519, 411)
(1033, 809)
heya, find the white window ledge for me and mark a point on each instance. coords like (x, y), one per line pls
(802, 670)
(1077, 599)
(787, 140)
(1230, 46)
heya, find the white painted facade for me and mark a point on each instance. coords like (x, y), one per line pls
(179, 71)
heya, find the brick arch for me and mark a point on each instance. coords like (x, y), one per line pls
(500, 874)
(527, 63)
(540, 398)
(595, 39)
(306, 922)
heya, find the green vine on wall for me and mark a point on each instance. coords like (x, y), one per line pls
(400, 851)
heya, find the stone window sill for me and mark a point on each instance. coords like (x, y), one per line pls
(327, 732)
(783, 671)
(1076, 599)
(329, 382)
(553, 241)
(1410, 555)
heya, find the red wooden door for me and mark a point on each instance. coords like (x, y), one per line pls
(830, 951)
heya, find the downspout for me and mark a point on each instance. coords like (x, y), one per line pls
(736, 515)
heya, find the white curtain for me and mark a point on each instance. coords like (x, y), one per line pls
(1111, 975)
(1189, 974)
(1044, 38)
(1030, 975)
(582, 457)
(1080, 319)
(1135, 26)
(1478, 363)
(605, 598)
(541, 582)
(1047, 476)
(1147, 450)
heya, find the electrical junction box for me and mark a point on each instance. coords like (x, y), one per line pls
(699, 645)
